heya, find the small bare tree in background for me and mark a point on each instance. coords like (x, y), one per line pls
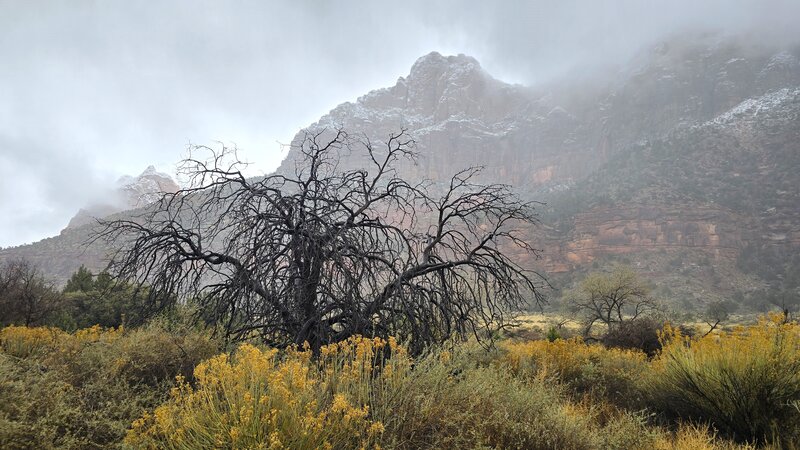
(323, 254)
(610, 298)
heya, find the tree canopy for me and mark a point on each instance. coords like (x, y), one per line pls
(26, 296)
(325, 253)
(100, 300)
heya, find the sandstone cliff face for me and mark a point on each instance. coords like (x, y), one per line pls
(720, 188)
(630, 229)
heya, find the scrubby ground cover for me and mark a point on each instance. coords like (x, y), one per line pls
(82, 390)
(156, 387)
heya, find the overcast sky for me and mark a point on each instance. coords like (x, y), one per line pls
(92, 90)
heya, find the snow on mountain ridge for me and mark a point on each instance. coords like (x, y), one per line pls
(438, 89)
(752, 107)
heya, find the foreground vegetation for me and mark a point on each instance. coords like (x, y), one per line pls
(83, 389)
(161, 386)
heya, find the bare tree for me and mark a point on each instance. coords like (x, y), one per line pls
(610, 298)
(26, 297)
(323, 253)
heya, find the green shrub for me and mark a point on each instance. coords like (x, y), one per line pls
(151, 354)
(553, 334)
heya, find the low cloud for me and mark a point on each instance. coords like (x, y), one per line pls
(101, 89)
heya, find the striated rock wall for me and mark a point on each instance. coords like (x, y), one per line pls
(632, 228)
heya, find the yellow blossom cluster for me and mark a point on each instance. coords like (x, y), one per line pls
(260, 398)
(23, 342)
(567, 359)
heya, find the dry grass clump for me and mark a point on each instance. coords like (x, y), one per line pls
(696, 437)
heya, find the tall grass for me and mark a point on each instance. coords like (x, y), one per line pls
(605, 374)
(456, 404)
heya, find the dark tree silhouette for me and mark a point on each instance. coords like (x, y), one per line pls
(324, 253)
(26, 297)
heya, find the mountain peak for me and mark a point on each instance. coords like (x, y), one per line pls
(151, 171)
(434, 64)
(130, 192)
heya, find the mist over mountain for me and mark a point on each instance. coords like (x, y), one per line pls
(105, 88)
(682, 163)
(129, 193)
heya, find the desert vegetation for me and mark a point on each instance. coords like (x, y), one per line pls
(165, 386)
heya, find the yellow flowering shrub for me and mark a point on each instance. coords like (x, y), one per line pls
(367, 370)
(91, 388)
(368, 393)
(746, 382)
(23, 342)
(583, 368)
(257, 398)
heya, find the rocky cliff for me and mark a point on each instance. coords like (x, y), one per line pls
(690, 151)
